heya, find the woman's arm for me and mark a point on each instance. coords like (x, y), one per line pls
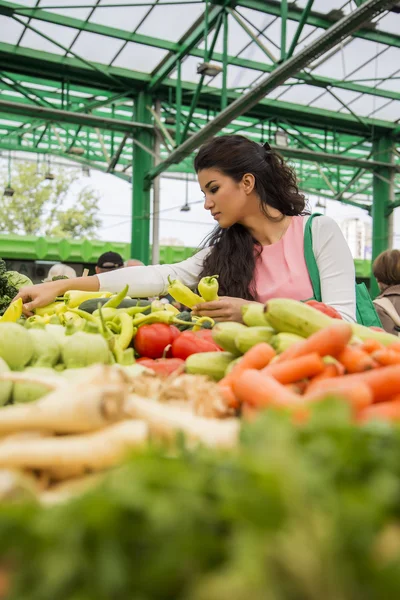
(142, 281)
(336, 267)
(153, 280)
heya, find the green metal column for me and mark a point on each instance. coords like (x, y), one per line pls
(382, 196)
(142, 163)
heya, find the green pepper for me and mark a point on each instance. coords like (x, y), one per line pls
(115, 301)
(127, 330)
(108, 313)
(208, 288)
(83, 314)
(181, 293)
(135, 310)
(74, 298)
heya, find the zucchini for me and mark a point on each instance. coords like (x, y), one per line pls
(91, 305)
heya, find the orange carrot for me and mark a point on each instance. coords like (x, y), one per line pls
(297, 388)
(370, 346)
(386, 357)
(388, 411)
(258, 357)
(355, 392)
(356, 360)
(384, 382)
(296, 369)
(328, 341)
(330, 371)
(259, 390)
(395, 346)
(228, 396)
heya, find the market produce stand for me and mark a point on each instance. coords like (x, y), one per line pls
(181, 457)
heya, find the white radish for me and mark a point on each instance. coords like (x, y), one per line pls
(165, 421)
(89, 452)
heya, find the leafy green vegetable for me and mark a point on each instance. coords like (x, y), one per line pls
(305, 513)
(17, 280)
(10, 283)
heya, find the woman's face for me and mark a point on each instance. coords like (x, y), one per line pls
(228, 201)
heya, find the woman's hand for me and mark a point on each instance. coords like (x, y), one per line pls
(224, 309)
(34, 296)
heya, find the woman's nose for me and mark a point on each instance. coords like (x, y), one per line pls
(208, 203)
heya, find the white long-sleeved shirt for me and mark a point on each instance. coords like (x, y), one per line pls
(332, 254)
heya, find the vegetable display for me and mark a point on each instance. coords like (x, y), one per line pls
(256, 460)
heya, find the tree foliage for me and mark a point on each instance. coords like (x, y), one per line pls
(43, 207)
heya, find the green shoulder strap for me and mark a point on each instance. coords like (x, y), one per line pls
(311, 263)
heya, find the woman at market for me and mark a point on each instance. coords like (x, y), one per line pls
(386, 269)
(256, 248)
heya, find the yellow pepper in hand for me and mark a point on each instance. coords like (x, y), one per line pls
(181, 293)
(208, 288)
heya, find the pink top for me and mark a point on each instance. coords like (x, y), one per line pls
(281, 270)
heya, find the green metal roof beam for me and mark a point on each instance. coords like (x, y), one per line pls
(293, 65)
(317, 19)
(189, 41)
(63, 116)
(184, 48)
(47, 65)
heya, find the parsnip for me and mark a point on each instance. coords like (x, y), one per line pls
(90, 452)
(52, 382)
(165, 421)
(86, 405)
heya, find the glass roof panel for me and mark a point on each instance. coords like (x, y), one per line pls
(61, 35)
(390, 22)
(138, 57)
(126, 18)
(170, 22)
(69, 10)
(322, 6)
(388, 112)
(10, 30)
(95, 47)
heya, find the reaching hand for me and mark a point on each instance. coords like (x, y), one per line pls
(34, 296)
(224, 309)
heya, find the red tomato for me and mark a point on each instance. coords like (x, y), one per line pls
(151, 340)
(189, 342)
(162, 366)
(324, 308)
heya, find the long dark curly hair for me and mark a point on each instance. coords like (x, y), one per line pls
(234, 251)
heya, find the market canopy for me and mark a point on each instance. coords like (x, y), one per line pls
(94, 80)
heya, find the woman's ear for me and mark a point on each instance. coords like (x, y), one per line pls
(248, 182)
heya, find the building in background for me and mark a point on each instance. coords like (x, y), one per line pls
(358, 235)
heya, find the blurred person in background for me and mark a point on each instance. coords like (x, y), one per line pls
(133, 262)
(60, 271)
(386, 269)
(109, 261)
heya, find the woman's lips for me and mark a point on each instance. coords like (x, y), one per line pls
(216, 216)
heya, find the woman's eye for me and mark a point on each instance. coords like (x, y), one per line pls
(214, 190)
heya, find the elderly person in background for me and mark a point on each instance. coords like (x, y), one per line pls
(133, 262)
(386, 269)
(60, 270)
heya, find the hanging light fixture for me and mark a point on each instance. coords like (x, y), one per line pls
(281, 138)
(209, 69)
(186, 206)
(8, 190)
(49, 175)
